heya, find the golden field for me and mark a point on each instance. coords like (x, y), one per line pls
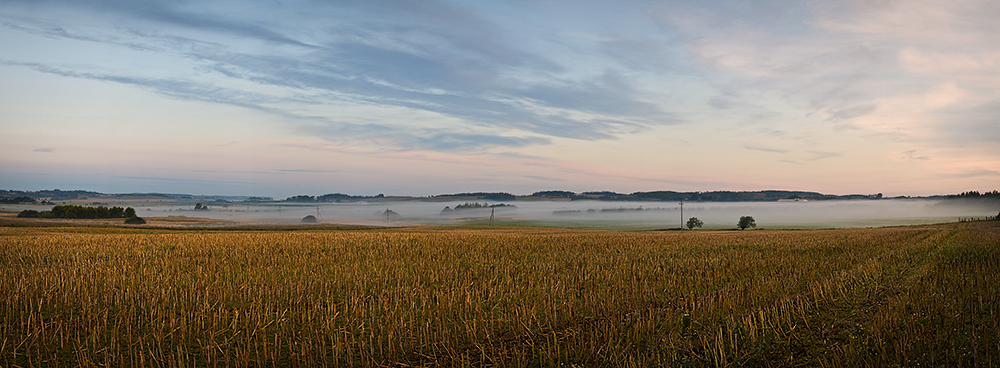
(511, 297)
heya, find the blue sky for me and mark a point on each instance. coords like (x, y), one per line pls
(418, 98)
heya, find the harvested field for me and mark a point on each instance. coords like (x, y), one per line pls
(514, 297)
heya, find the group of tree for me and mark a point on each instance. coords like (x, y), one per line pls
(18, 200)
(71, 211)
(554, 194)
(475, 205)
(745, 222)
(976, 195)
(200, 207)
(713, 196)
(51, 194)
(492, 196)
(258, 199)
(333, 197)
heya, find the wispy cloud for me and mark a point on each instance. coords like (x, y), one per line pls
(544, 178)
(430, 56)
(974, 174)
(764, 149)
(819, 155)
(520, 162)
(189, 181)
(308, 171)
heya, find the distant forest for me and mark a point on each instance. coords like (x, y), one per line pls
(976, 195)
(715, 196)
(21, 200)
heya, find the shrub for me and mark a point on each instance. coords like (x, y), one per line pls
(310, 219)
(135, 220)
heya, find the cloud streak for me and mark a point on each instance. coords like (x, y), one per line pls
(433, 57)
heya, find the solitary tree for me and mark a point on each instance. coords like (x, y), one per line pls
(746, 221)
(694, 222)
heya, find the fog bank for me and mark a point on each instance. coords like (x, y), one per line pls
(596, 214)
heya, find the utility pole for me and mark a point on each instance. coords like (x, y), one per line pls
(682, 216)
(491, 214)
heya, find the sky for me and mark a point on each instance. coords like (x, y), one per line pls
(281, 97)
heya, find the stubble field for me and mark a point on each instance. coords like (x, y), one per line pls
(512, 297)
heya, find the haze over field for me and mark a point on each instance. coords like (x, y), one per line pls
(611, 215)
(279, 98)
(581, 214)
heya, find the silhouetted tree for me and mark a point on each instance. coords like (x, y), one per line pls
(746, 221)
(694, 222)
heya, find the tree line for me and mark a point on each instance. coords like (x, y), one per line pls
(975, 194)
(18, 200)
(71, 211)
(714, 196)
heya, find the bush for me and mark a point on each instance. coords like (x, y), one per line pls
(310, 219)
(135, 220)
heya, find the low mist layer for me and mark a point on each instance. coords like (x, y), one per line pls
(591, 214)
